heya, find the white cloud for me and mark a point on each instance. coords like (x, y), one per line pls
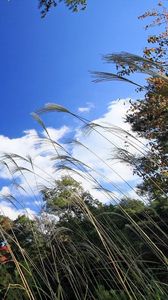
(11, 212)
(56, 134)
(30, 145)
(5, 191)
(100, 146)
(86, 108)
(116, 114)
(97, 152)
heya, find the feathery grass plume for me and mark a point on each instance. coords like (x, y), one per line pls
(134, 63)
(136, 228)
(113, 259)
(91, 251)
(104, 76)
(53, 107)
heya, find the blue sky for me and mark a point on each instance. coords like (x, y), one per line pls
(48, 60)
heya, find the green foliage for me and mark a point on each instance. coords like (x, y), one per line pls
(75, 254)
(148, 117)
(68, 197)
(103, 294)
(79, 248)
(73, 5)
(132, 206)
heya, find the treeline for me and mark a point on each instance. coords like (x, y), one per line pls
(89, 251)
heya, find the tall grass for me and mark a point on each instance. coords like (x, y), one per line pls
(57, 259)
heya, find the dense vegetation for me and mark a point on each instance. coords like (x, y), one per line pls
(94, 251)
(79, 248)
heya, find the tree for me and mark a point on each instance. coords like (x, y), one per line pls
(148, 117)
(159, 41)
(73, 5)
(68, 198)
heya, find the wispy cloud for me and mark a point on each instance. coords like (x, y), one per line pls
(86, 108)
